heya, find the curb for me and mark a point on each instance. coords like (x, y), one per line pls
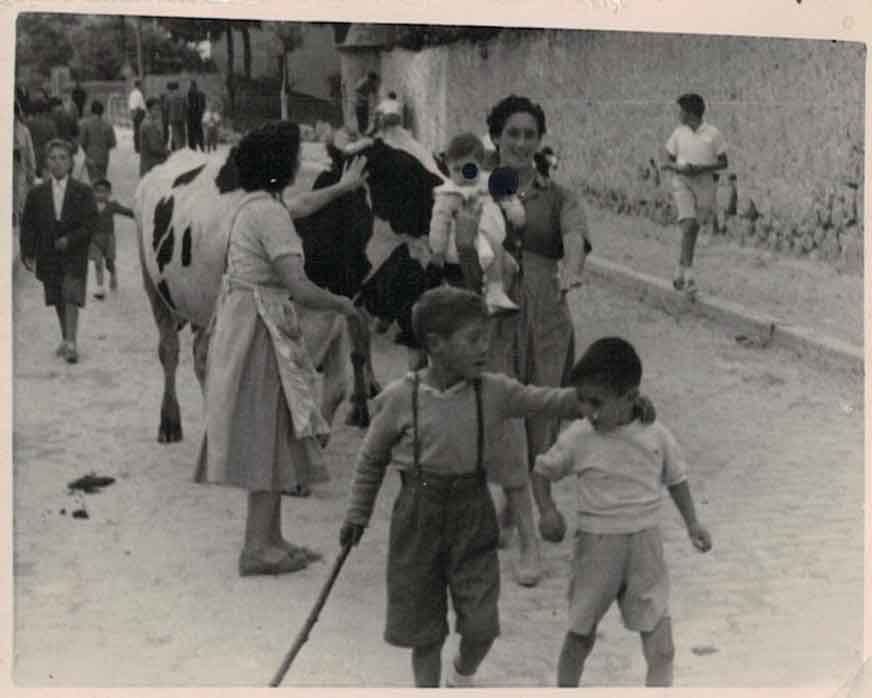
(764, 328)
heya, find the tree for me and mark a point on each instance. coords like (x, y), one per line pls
(42, 41)
(287, 38)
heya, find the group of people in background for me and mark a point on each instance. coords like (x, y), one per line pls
(168, 123)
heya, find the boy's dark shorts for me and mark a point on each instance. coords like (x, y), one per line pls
(442, 537)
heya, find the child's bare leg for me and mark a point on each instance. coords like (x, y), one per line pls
(470, 655)
(427, 665)
(689, 233)
(98, 272)
(520, 508)
(659, 654)
(113, 278)
(576, 649)
(504, 516)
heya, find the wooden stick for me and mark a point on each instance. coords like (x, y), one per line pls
(313, 617)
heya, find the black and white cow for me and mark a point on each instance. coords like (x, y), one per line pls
(373, 248)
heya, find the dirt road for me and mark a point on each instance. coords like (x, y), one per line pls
(145, 592)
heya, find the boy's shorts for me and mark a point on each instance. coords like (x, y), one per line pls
(102, 247)
(443, 537)
(628, 567)
(694, 196)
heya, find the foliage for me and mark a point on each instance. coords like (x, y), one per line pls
(42, 41)
(416, 37)
(96, 47)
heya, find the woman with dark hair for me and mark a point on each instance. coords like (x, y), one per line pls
(536, 344)
(263, 419)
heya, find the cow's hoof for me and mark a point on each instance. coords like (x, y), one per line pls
(358, 416)
(169, 433)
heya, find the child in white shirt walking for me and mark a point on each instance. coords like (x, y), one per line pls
(620, 465)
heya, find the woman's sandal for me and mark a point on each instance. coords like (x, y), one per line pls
(251, 565)
(301, 550)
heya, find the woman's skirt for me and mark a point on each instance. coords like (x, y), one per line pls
(256, 448)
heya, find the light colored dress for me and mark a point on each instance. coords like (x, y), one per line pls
(536, 345)
(262, 410)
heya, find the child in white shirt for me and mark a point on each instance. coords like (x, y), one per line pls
(621, 466)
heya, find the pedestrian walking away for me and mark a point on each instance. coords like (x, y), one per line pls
(196, 108)
(620, 465)
(695, 151)
(137, 109)
(436, 426)
(153, 145)
(177, 114)
(59, 218)
(97, 138)
(102, 248)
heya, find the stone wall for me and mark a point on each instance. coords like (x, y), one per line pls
(791, 111)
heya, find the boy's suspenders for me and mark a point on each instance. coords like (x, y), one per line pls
(479, 414)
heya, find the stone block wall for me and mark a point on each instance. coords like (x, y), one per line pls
(791, 110)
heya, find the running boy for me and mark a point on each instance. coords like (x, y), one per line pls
(463, 158)
(434, 426)
(620, 466)
(102, 245)
(695, 150)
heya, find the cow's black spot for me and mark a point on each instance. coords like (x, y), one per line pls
(188, 177)
(227, 178)
(186, 247)
(164, 292)
(163, 214)
(165, 253)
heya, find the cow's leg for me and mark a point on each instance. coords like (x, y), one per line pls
(201, 353)
(170, 429)
(358, 332)
(373, 386)
(334, 372)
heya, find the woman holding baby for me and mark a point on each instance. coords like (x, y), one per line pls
(548, 243)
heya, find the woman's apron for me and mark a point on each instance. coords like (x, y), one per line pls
(232, 330)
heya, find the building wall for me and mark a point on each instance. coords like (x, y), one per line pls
(791, 110)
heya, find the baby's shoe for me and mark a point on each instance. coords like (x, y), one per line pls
(457, 680)
(497, 301)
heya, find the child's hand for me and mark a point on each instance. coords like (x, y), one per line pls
(61, 244)
(643, 410)
(437, 259)
(350, 534)
(552, 525)
(700, 537)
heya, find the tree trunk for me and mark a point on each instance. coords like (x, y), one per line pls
(283, 95)
(231, 63)
(246, 50)
(139, 70)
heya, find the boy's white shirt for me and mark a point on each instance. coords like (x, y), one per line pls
(578, 451)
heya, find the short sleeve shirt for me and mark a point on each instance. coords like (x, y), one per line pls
(620, 474)
(700, 147)
(263, 232)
